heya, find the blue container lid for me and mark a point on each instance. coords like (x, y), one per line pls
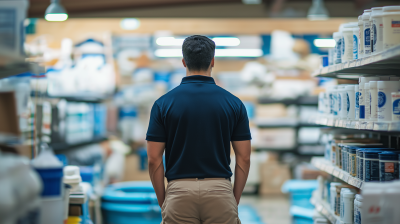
(86, 173)
(129, 208)
(373, 154)
(293, 186)
(134, 192)
(387, 155)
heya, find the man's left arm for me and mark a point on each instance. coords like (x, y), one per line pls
(155, 152)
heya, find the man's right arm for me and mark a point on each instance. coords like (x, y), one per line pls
(242, 152)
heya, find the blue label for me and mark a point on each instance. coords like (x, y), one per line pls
(361, 169)
(381, 99)
(355, 47)
(338, 50)
(367, 37)
(396, 107)
(388, 171)
(375, 34)
(362, 111)
(331, 105)
(343, 46)
(340, 102)
(357, 99)
(348, 103)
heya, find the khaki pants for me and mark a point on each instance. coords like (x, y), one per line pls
(207, 201)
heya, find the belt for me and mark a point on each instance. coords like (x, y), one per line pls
(197, 179)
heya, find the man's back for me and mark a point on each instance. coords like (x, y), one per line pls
(198, 120)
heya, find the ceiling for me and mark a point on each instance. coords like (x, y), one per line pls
(201, 8)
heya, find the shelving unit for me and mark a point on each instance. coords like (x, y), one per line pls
(66, 146)
(324, 165)
(324, 208)
(83, 97)
(384, 63)
(19, 67)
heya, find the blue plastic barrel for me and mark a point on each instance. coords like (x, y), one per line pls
(131, 202)
(300, 191)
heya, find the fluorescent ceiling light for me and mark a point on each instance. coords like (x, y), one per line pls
(56, 17)
(252, 2)
(226, 41)
(55, 12)
(324, 42)
(219, 41)
(167, 53)
(130, 24)
(318, 11)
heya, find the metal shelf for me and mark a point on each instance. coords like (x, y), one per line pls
(384, 63)
(302, 100)
(67, 146)
(19, 67)
(84, 97)
(324, 165)
(325, 210)
(378, 126)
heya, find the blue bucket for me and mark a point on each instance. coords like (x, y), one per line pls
(131, 202)
(300, 191)
(52, 181)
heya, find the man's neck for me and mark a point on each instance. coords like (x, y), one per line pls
(205, 73)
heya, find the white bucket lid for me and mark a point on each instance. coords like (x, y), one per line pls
(388, 84)
(366, 14)
(393, 8)
(72, 174)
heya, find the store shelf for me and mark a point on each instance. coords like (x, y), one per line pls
(325, 210)
(389, 61)
(84, 97)
(19, 67)
(387, 126)
(302, 100)
(326, 166)
(67, 146)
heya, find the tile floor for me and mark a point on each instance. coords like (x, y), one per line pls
(271, 209)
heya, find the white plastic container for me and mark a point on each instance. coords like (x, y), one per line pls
(390, 208)
(367, 32)
(357, 102)
(72, 177)
(363, 94)
(337, 36)
(330, 92)
(367, 102)
(52, 210)
(360, 37)
(347, 208)
(333, 194)
(356, 41)
(351, 104)
(391, 26)
(377, 30)
(396, 106)
(373, 89)
(347, 41)
(372, 194)
(335, 100)
(385, 89)
(357, 209)
(342, 100)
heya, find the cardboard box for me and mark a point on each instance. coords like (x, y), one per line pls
(277, 138)
(8, 114)
(271, 111)
(132, 169)
(273, 176)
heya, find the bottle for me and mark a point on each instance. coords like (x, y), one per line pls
(337, 36)
(391, 26)
(360, 37)
(377, 30)
(367, 32)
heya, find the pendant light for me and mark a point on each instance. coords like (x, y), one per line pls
(318, 11)
(56, 12)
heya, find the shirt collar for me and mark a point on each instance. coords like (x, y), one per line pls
(197, 79)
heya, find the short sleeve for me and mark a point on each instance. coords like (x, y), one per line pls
(241, 131)
(156, 130)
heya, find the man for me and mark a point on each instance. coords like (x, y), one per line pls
(195, 124)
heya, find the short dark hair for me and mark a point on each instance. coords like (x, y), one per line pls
(198, 51)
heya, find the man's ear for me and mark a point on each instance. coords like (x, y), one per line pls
(183, 62)
(212, 63)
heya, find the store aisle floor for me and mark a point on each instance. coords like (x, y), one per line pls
(271, 209)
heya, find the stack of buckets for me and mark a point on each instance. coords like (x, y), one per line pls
(131, 202)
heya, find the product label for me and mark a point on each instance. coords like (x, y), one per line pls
(389, 171)
(340, 101)
(375, 36)
(353, 164)
(371, 170)
(357, 99)
(334, 100)
(331, 103)
(361, 169)
(343, 47)
(338, 51)
(355, 47)
(367, 37)
(381, 99)
(362, 111)
(395, 23)
(396, 107)
(348, 102)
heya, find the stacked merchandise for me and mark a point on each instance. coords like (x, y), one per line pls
(373, 99)
(377, 30)
(365, 159)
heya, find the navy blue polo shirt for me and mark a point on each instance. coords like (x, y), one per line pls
(197, 121)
